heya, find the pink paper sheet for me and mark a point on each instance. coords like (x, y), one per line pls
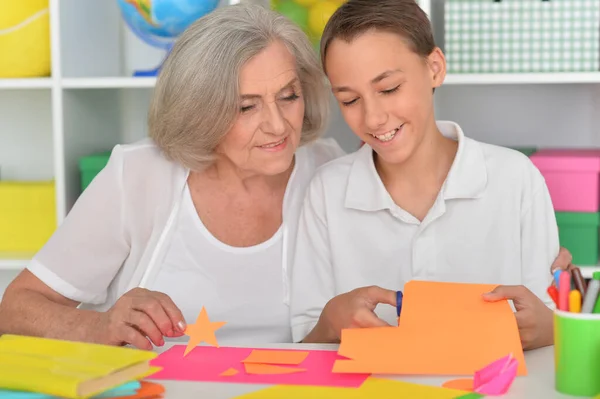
(206, 363)
(496, 377)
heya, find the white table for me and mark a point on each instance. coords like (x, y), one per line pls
(539, 383)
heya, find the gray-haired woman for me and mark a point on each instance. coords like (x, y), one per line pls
(203, 214)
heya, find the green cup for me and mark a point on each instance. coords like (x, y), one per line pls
(577, 353)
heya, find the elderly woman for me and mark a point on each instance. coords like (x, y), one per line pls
(205, 213)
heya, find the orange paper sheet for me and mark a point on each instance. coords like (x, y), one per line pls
(463, 384)
(276, 357)
(254, 368)
(445, 329)
(229, 372)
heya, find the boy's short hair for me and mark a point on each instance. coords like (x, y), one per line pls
(403, 17)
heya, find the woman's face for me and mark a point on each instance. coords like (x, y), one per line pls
(267, 130)
(385, 91)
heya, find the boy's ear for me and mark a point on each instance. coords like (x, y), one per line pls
(437, 65)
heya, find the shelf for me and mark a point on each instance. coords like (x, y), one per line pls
(522, 78)
(108, 83)
(451, 79)
(588, 271)
(14, 261)
(31, 83)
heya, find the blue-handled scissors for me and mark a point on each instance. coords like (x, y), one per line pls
(399, 297)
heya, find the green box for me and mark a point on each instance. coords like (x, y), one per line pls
(90, 166)
(520, 36)
(528, 151)
(578, 232)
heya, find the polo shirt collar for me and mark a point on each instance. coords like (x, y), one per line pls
(467, 177)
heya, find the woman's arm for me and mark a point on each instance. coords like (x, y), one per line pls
(76, 266)
(140, 317)
(30, 307)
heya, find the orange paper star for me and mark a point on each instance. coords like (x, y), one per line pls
(202, 331)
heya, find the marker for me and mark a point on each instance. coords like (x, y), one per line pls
(597, 306)
(575, 301)
(578, 280)
(564, 287)
(591, 294)
(557, 277)
(553, 292)
(399, 297)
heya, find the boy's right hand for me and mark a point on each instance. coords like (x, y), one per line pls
(354, 309)
(140, 318)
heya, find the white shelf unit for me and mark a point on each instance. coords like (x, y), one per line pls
(587, 272)
(13, 261)
(24, 84)
(91, 103)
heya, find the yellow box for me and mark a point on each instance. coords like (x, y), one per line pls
(24, 38)
(27, 215)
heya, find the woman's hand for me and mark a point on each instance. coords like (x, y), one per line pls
(534, 318)
(562, 261)
(354, 309)
(140, 318)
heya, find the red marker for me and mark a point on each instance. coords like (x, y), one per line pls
(564, 287)
(553, 292)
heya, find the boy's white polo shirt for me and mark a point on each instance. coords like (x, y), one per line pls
(493, 222)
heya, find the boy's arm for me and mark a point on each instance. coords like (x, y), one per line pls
(539, 241)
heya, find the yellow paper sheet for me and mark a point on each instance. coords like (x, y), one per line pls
(373, 388)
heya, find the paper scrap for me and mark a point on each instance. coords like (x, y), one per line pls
(206, 363)
(147, 390)
(445, 329)
(128, 388)
(229, 372)
(372, 388)
(464, 384)
(202, 331)
(256, 368)
(272, 356)
(497, 377)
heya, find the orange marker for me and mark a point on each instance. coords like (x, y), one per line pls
(575, 301)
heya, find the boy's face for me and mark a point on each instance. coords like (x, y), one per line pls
(385, 91)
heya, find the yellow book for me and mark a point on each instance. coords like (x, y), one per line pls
(68, 369)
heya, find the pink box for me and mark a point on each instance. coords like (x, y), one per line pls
(572, 177)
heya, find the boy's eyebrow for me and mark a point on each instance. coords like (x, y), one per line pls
(384, 75)
(286, 86)
(376, 79)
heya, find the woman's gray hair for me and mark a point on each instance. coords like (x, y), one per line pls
(196, 99)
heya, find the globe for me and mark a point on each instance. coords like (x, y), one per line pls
(159, 22)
